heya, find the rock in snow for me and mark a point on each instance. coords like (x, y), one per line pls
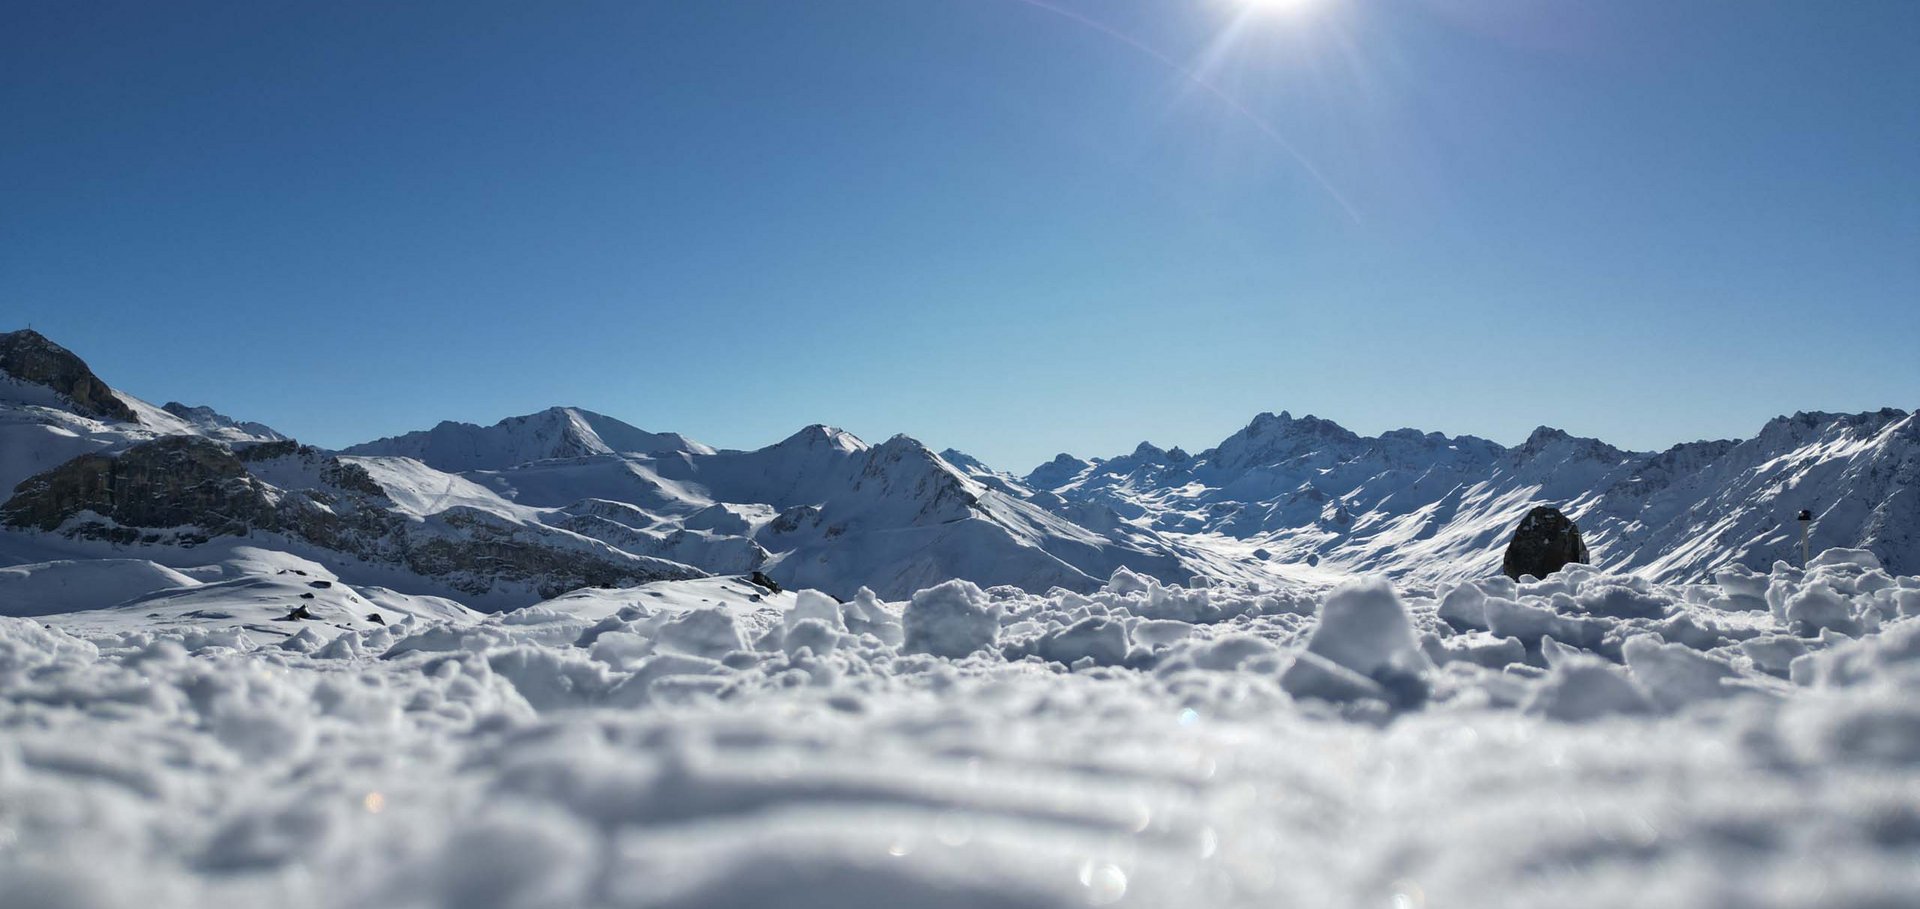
(1545, 542)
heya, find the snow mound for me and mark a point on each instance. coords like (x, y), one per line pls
(1364, 627)
(46, 588)
(952, 620)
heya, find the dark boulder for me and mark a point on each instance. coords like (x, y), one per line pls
(761, 580)
(1545, 542)
(27, 355)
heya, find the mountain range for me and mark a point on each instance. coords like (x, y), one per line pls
(510, 513)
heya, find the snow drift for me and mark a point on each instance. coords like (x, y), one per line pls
(1589, 739)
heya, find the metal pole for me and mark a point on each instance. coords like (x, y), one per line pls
(1806, 528)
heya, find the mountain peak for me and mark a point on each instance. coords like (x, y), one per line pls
(556, 432)
(1543, 436)
(214, 423)
(820, 435)
(1270, 439)
(965, 462)
(31, 357)
(1546, 439)
(1057, 472)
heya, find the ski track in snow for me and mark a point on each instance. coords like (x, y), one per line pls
(1608, 742)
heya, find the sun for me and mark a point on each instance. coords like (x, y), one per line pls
(1278, 7)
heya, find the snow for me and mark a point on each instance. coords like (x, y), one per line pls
(709, 743)
(1364, 627)
(65, 586)
(952, 708)
(1427, 508)
(1284, 502)
(420, 491)
(1096, 640)
(557, 432)
(951, 620)
(819, 509)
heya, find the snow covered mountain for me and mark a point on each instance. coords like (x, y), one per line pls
(821, 509)
(531, 505)
(1430, 507)
(557, 432)
(507, 513)
(53, 407)
(211, 423)
(93, 471)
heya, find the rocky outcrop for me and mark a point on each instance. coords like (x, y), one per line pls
(188, 489)
(209, 422)
(1545, 542)
(170, 482)
(28, 356)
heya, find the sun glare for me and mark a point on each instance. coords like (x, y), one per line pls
(1278, 7)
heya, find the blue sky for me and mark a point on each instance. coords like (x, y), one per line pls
(1006, 226)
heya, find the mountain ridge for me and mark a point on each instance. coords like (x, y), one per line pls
(1312, 490)
(1283, 499)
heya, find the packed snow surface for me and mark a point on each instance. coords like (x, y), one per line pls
(1585, 740)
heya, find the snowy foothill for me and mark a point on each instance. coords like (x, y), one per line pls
(1588, 739)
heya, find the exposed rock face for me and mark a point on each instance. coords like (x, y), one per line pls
(187, 489)
(174, 481)
(28, 356)
(1544, 543)
(218, 425)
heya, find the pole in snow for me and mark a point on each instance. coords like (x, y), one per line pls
(1806, 525)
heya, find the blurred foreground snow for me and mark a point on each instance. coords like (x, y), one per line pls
(1588, 740)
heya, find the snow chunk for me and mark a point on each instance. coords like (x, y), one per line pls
(951, 620)
(1465, 607)
(812, 604)
(1818, 606)
(1622, 601)
(1774, 653)
(707, 633)
(1531, 623)
(1364, 627)
(866, 614)
(1363, 636)
(1125, 582)
(813, 635)
(1315, 676)
(1098, 638)
(1233, 652)
(1481, 648)
(25, 646)
(1858, 557)
(1584, 689)
(1675, 675)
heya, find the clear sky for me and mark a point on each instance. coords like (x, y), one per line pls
(1007, 226)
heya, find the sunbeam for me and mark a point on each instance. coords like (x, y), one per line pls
(1219, 94)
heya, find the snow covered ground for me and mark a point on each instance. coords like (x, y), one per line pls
(1588, 740)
